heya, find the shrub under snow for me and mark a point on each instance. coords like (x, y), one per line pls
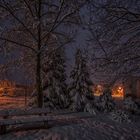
(77, 103)
(120, 116)
(130, 105)
(105, 102)
(90, 108)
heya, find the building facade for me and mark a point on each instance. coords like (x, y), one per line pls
(10, 88)
(132, 87)
(121, 89)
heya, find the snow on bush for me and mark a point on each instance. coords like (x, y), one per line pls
(105, 102)
(130, 105)
(120, 116)
(90, 108)
(77, 103)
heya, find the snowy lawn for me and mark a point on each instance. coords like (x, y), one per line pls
(87, 127)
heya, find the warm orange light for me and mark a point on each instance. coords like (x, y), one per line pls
(7, 87)
(118, 92)
(98, 90)
(1, 89)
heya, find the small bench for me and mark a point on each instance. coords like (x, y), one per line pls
(30, 116)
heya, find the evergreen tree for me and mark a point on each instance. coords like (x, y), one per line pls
(54, 83)
(80, 88)
(106, 103)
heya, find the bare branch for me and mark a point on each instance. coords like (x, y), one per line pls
(17, 43)
(28, 6)
(8, 9)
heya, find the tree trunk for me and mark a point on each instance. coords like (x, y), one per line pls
(39, 82)
(38, 66)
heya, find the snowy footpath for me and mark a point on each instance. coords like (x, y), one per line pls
(80, 126)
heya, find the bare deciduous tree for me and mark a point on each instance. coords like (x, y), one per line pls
(115, 33)
(30, 25)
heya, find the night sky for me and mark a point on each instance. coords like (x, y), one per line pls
(80, 42)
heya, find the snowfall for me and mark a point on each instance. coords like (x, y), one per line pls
(77, 126)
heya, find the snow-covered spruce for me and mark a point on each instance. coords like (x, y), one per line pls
(105, 102)
(54, 83)
(80, 87)
(130, 105)
(120, 116)
(90, 108)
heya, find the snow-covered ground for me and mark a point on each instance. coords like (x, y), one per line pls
(74, 126)
(87, 127)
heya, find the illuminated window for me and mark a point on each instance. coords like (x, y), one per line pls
(98, 90)
(118, 91)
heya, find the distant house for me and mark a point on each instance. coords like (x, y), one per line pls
(10, 88)
(132, 86)
(117, 90)
(7, 88)
(121, 89)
